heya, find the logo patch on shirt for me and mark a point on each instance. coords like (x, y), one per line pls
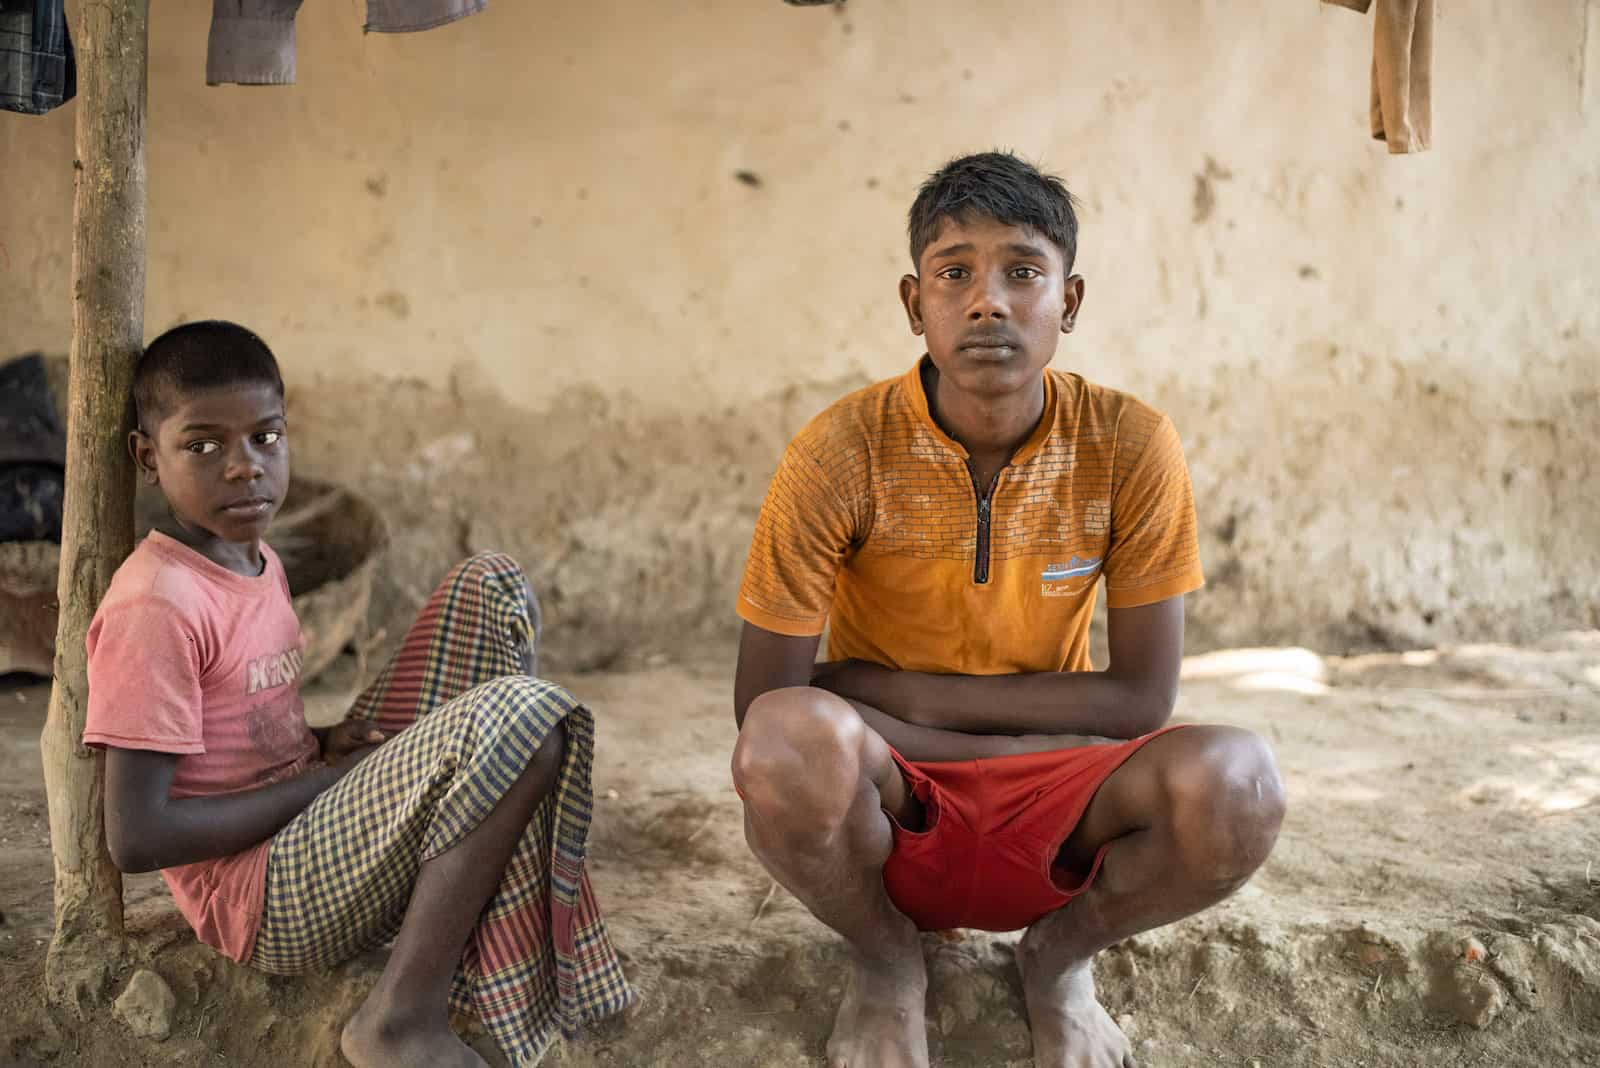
(270, 672)
(1062, 580)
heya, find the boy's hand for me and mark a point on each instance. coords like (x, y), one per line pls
(347, 737)
(348, 762)
(1049, 743)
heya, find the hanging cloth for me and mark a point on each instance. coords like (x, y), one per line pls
(33, 453)
(252, 41)
(1402, 72)
(38, 71)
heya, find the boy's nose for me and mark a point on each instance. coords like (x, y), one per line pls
(988, 302)
(244, 465)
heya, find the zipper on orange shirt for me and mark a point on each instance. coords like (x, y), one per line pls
(980, 562)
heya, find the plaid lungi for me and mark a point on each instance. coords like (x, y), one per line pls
(339, 875)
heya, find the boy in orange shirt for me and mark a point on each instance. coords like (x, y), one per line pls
(957, 762)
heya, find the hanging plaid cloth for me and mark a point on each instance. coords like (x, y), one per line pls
(37, 69)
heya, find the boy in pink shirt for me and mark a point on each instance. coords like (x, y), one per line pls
(447, 812)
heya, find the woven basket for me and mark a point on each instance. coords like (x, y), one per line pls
(330, 540)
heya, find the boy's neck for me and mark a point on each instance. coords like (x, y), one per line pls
(989, 428)
(242, 558)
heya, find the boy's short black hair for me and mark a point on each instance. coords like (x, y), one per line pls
(999, 186)
(209, 354)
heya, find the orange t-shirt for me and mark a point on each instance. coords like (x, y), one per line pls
(873, 526)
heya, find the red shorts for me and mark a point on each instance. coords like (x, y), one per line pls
(987, 856)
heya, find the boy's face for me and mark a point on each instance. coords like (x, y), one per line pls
(221, 458)
(992, 300)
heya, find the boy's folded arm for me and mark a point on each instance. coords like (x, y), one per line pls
(770, 661)
(146, 829)
(1133, 696)
(935, 745)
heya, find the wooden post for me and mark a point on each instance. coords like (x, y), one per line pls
(108, 269)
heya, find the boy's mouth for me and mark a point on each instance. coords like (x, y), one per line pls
(248, 506)
(989, 346)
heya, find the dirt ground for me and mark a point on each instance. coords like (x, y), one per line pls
(1434, 899)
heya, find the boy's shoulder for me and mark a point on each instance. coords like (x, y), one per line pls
(152, 598)
(160, 569)
(1073, 391)
(861, 415)
(1085, 408)
(152, 572)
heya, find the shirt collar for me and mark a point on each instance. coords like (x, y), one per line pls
(918, 397)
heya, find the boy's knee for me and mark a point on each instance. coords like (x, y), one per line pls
(799, 755)
(512, 708)
(492, 562)
(514, 697)
(1227, 800)
(511, 691)
(490, 570)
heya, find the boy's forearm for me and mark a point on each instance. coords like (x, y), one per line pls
(932, 744)
(191, 829)
(1067, 702)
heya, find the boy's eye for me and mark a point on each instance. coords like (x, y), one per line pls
(202, 448)
(270, 437)
(953, 273)
(1026, 272)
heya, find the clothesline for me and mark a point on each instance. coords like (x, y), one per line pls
(252, 42)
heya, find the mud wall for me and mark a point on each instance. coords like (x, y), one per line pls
(561, 278)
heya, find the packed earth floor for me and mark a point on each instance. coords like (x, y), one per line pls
(1434, 898)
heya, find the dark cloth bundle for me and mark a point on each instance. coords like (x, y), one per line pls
(32, 454)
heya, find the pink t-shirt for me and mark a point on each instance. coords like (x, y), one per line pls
(187, 657)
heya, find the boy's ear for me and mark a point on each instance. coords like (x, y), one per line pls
(143, 451)
(911, 297)
(1072, 304)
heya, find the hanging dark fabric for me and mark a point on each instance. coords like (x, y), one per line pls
(252, 41)
(33, 452)
(37, 69)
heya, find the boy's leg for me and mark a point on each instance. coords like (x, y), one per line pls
(405, 1020)
(480, 623)
(816, 783)
(413, 842)
(1182, 824)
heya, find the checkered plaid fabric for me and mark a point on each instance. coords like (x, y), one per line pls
(38, 70)
(339, 876)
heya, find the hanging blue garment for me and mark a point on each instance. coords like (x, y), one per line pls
(252, 41)
(37, 68)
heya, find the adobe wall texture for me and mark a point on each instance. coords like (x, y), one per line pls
(562, 278)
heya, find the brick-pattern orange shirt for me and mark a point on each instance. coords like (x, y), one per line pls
(872, 526)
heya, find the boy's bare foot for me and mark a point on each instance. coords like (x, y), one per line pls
(1070, 1028)
(882, 1022)
(376, 1039)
